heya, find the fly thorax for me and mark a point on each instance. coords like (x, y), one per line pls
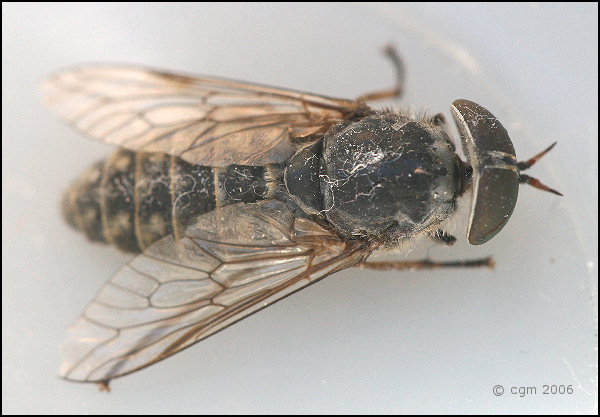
(301, 177)
(387, 177)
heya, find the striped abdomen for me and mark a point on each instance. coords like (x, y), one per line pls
(133, 199)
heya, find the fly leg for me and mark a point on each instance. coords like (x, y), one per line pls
(398, 89)
(442, 237)
(426, 264)
(438, 119)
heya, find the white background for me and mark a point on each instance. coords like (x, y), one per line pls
(358, 341)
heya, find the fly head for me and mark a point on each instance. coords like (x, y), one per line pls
(496, 174)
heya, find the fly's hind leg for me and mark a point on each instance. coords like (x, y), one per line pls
(398, 89)
(103, 386)
(427, 264)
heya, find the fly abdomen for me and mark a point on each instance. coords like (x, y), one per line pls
(133, 199)
(117, 200)
(197, 189)
(101, 202)
(81, 203)
(152, 198)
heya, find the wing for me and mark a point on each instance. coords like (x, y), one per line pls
(206, 121)
(231, 263)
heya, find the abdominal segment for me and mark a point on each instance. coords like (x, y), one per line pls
(133, 199)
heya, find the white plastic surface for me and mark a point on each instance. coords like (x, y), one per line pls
(359, 341)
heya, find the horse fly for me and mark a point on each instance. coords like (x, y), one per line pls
(235, 195)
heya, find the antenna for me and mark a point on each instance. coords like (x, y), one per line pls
(534, 182)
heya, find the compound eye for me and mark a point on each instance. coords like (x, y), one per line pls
(495, 174)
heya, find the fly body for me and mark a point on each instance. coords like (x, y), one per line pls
(234, 195)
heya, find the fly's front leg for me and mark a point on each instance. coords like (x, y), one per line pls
(427, 264)
(442, 237)
(398, 89)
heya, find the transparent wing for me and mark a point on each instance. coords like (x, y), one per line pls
(206, 121)
(229, 264)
